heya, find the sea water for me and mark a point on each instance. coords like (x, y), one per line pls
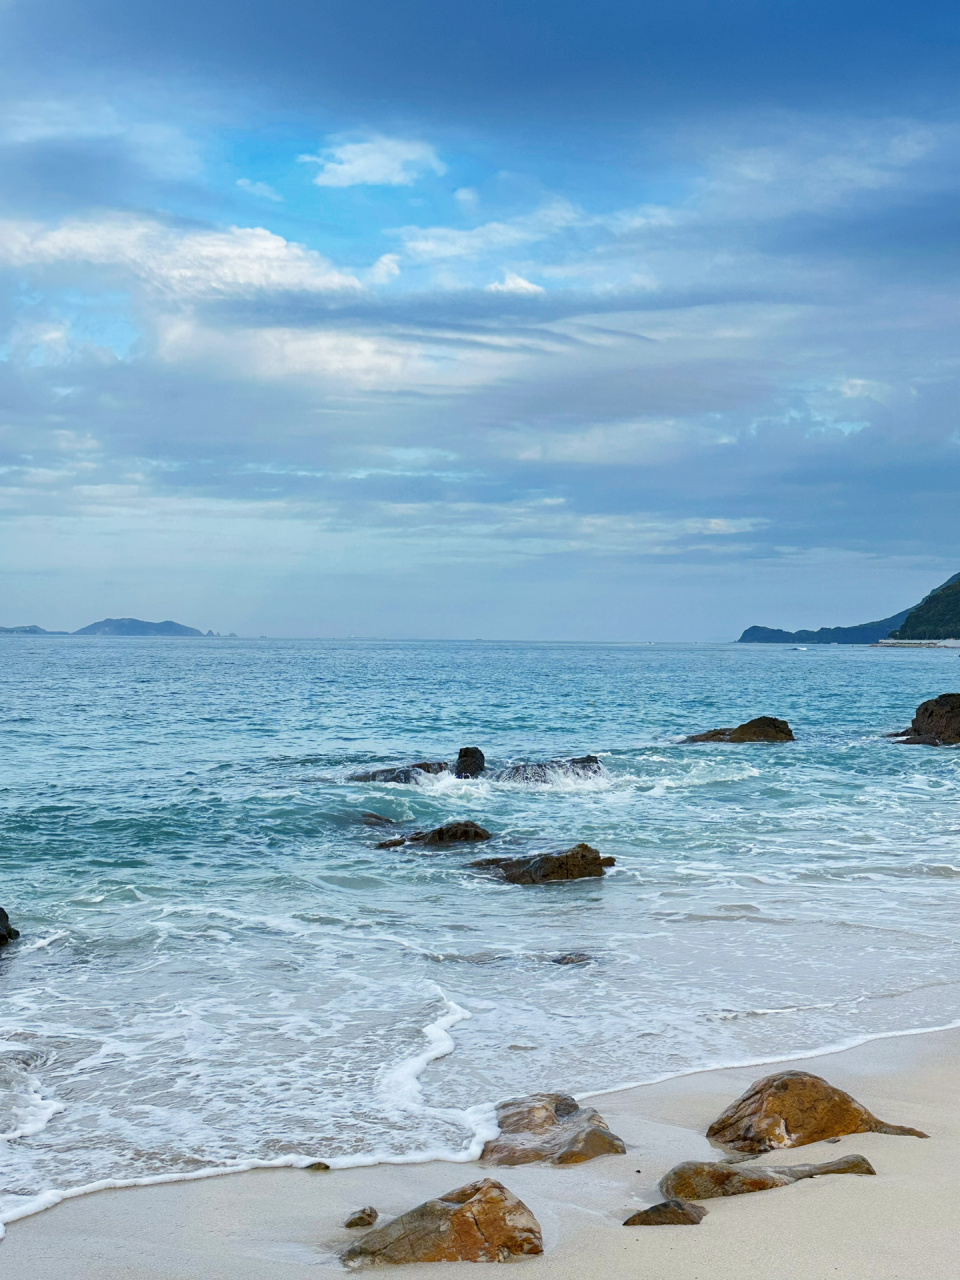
(218, 967)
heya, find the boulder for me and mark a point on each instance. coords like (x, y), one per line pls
(376, 820)
(700, 1180)
(481, 1222)
(791, 1109)
(549, 1127)
(578, 767)
(405, 773)
(936, 724)
(362, 1218)
(470, 763)
(761, 729)
(7, 931)
(573, 864)
(669, 1213)
(571, 957)
(393, 843)
(451, 833)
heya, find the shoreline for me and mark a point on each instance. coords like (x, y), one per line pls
(220, 1227)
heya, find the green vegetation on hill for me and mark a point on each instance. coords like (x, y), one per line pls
(937, 618)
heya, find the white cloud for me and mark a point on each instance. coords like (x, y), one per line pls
(379, 162)
(512, 283)
(262, 189)
(236, 261)
(451, 242)
(467, 197)
(386, 267)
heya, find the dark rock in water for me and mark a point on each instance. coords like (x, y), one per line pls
(481, 1222)
(362, 1218)
(451, 833)
(318, 1166)
(936, 724)
(573, 864)
(470, 763)
(700, 1180)
(376, 820)
(792, 1109)
(571, 957)
(669, 1213)
(549, 1127)
(547, 770)
(393, 843)
(405, 773)
(7, 932)
(761, 729)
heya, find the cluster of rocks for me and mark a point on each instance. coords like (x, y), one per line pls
(485, 1222)
(7, 932)
(471, 763)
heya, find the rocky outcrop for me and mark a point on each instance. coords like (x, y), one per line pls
(362, 1218)
(936, 724)
(552, 1128)
(481, 1222)
(761, 729)
(406, 773)
(572, 864)
(700, 1180)
(470, 763)
(669, 1213)
(792, 1109)
(451, 833)
(548, 770)
(7, 932)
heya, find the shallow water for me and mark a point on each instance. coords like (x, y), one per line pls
(217, 965)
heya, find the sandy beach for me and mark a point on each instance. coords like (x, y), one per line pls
(286, 1224)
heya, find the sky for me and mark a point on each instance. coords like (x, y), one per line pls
(509, 320)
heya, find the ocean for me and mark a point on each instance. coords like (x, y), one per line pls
(219, 969)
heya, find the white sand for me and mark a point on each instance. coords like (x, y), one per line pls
(285, 1224)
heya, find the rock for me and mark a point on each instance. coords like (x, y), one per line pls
(7, 932)
(572, 864)
(700, 1180)
(549, 1127)
(451, 833)
(470, 763)
(669, 1213)
(318, 1166)
(362, 1218)
(579, 766)
(571, 957)
(791, 1109)
(936, 724)
(376, 820)
(405, 773)
(394, 843)
(762, 729)
(481, 1222)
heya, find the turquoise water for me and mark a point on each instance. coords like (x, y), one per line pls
(218, 966)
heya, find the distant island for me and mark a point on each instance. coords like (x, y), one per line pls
(936, 617)
(115, 627)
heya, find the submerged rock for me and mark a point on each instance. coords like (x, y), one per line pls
(700, 1180)
(549, 1127)
(393, 843)
(573, 864)
(761, 729)
(936, 724)
(481, 1222)
(571, 957)
(362, 1218)
(7, 932)
(404, 773)
(376, 820)
(451, 833)
(470, 763)
(792, 1109)
(578, 767)
(669, 1213)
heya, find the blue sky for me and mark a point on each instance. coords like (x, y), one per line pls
(628, 321)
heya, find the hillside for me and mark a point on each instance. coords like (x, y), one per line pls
(863, 632)
(937, 618)
(134, 627)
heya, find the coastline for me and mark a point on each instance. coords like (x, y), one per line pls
(898, 1226)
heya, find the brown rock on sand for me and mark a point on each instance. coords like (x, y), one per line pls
(362, 1218)
(760, 729)
(792, 1109)
(550, 1127)
(670, 1213)
(701, 1180)
(481, 1222)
